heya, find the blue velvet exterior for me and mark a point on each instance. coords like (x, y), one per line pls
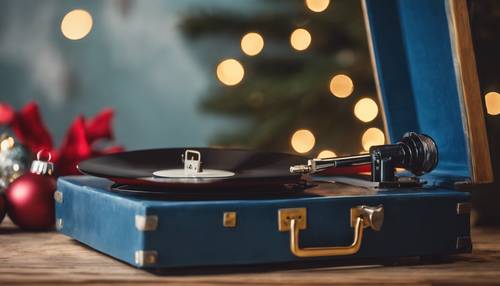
(418, 83)
(190, 233)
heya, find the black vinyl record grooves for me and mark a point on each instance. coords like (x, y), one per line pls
(248, 170)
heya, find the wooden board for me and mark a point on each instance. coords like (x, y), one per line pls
(465, 62)
(48, 258)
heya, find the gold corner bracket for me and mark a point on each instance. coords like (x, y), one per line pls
(229, 219)
(295, 220)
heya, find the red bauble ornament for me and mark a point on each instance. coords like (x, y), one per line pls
(31, 197)
(3, 207)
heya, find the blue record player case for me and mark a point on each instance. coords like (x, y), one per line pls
(420, 50)
(161, 233)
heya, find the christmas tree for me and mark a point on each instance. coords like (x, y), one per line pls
(287, 86)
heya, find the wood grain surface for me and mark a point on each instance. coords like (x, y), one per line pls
(49, 258)
(465, 63)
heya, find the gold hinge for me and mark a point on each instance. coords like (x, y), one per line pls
(146, 222)
(146, 257)
(464, 243)
(59, 223)
(464, 208)
(58, 197)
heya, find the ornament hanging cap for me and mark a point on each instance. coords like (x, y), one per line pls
(41, 167)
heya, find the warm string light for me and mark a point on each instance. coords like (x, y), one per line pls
(252, 44)
(76, 24)
(366, 109)
(300, 39)
(303, 141)
(341, 86)
(372, 137)
(492, 100)
(326, 154)
(230, 72)
(317, 5)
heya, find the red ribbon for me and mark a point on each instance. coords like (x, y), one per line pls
(78, 144)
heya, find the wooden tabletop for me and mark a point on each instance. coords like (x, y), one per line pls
(50, 258)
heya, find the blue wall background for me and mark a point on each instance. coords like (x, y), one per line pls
(134, 60)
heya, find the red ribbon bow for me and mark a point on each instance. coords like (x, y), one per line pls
(78, 144)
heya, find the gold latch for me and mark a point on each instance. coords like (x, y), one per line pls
(285, 217)
(294, 220)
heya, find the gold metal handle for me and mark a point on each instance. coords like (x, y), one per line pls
(325, 251)
(362, 217)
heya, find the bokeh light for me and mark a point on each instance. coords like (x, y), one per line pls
(300, 39)
(317, 5)
(341, 86)
(230, 72)
(252, 44)
(76, 24)
(326, 154)
(492, 100)
(372, 137)
(366, 109)
(303, 141)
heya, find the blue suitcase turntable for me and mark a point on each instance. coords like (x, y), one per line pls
(201, 206)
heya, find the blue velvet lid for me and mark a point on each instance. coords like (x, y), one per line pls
(417, 79)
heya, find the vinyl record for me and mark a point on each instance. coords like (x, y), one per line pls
(223, 170)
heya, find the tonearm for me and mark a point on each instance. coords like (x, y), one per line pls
(416, 153)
